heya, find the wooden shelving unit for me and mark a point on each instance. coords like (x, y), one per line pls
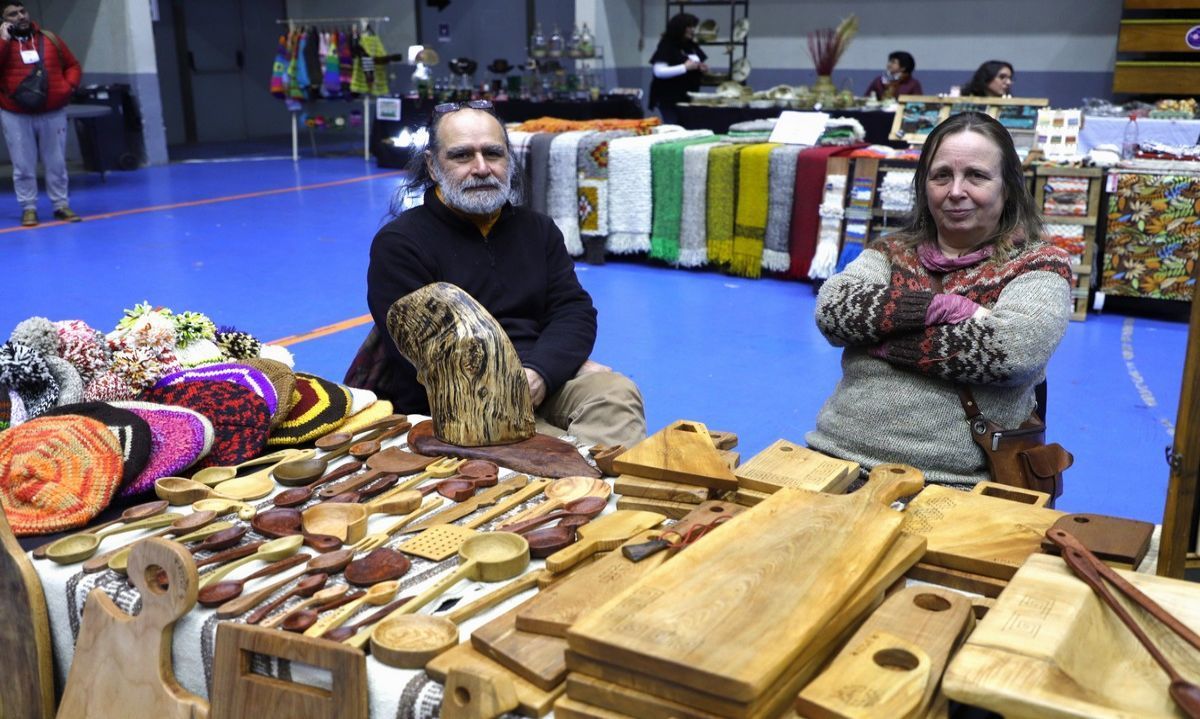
(1083, 265)
(1154, 56)
(738, 10)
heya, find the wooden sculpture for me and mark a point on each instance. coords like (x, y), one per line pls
(478, 394)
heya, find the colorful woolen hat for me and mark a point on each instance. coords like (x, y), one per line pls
(56, 473)
(284, 380)
(244, 375)
(178, 438)
(131, 432)
(239, 417)
(319, 407)
(31, 387)
(70, 384)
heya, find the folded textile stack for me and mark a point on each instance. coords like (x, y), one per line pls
(554, 124)
(1068, 237)
(842, 131)
(562, 199)
(1066, 196)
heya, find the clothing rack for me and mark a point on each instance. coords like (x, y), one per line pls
(363, 22)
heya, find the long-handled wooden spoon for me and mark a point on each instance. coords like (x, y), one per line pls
(379, 594)
(300, 621)
(348, 522)
(565, 490)
(79, 547)
(297, 496)
(301, 472)
(321, 597)
(226, 589)
(269, 552)
(132, 514)
(586, 507)
(183, 525)
(213, 475)
(119, 562)
(392, 460)
(306, 587)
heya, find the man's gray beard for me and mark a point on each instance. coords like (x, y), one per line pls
(471, 201)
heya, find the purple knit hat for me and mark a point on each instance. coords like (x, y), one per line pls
(239, 417)
(179, 437)
(248, 377)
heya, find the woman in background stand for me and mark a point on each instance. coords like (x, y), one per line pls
(994, 78)
(678, 63)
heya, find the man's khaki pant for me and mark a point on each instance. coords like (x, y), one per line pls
(597, 408)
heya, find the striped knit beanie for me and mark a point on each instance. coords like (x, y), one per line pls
(179, 437)
(237, 373)
(57, 473)
(70, 384)
(284, 380)
(319, 407)
(131, 431)
(31, 387)
(239, 417)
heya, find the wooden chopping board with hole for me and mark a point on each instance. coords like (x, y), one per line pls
(540, 455)
(683, 452)
(122, 661)
(1118, 541)
(977, 532)
(786, 464)
(1050, 648)
(554, 609)
(812, 547)
(531, 700)
(893, 664)
(642, 695)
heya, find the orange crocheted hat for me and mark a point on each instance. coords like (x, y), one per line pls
(56, 473)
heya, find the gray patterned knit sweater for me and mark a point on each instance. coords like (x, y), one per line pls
(898, 403)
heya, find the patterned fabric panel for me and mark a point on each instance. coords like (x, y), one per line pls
(1153, 236)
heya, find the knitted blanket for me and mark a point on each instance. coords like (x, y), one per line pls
(810, 184)
(630, 199)
(666, 166)
(520, 152)
(722, 201)
(562, 197)
(693, 226)
(539, 170)
(592, 163)
(750, 226)
(779, 207)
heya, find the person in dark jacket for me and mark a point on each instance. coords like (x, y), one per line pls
(678, 63)
(898, 79)
(34, 118)
(513, 262)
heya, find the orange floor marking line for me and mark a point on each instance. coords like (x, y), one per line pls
(208, 201)
(322, 331)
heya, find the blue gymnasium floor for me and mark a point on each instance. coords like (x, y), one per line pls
(280, 250)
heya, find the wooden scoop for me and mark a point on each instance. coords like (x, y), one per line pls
(259, 484)
(297, 496)
(607, 532)
(321, 597)
(78, 547)
(222, 539)
(299, 472)
(548, 540)
(392, 460)
(132, 514)
(490, 557)
(181, 490)
(476, 468)
(269, 552)
(376, 595)
(284, 522)
(566, 490)
(212, 475)
(379, 565)
(348, 522)
(226, 506)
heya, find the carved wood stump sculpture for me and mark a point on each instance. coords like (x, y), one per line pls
(478, 394)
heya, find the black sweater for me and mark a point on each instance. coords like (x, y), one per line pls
(520, 272)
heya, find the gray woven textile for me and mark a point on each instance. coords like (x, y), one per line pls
(539, 170)
(779, 207)
(693, 227)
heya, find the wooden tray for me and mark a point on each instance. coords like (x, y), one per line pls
(979, 532)
(1051, 648)
(785, 464)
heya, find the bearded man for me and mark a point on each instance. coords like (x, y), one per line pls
(513, 262)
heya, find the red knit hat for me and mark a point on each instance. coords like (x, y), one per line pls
(239, 417)
(56, 473)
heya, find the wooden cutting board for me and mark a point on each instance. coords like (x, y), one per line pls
(553, 610)
(540, 455)
(123, 661)
(786, 464)
(893, 664)
(531, 700)
(537, 658)
(628, 485)
(1114, 539)
(1051, 648)
(683, 452)
(665, 507)
(568, 708)
(974, 532)
(957, 579)
(641, 695)
(812, 547)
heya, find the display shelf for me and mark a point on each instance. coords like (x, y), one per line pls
(731, 46)
(1082, 263)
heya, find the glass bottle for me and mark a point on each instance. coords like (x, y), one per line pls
(554, 48)
(573, 42)
(537, 42)
(1129, 143)
(587, 43)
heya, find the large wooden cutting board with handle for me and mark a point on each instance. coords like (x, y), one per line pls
(682, 451)
(1050, 648)
(786, 464)
(814, 548)
(983, 531)
(123, 662)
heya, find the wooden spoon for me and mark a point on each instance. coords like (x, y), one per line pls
(183, 525)
(586, 507)
(338, 439)
(476, 468)
(226, 555)
(392, 460)
(132, 514)
(269, 552)
(285, 522)
(226, 589)
(119, 562)
(213, 475)
(222, 539)
(379, 565)
(259, 484)
(373, 489)
(298, 473)
(181, 490)
(548, 540)
(348, 522)
(78, 547)
(379, 594)
(297, 496)
(300, 621)
(226, 506)
(306, 587)
(331, 562)
(565, 490)
(321, 597)
(344, 632)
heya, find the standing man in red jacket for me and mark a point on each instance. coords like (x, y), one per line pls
(38, 73)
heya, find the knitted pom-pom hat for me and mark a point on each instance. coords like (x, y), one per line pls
(31, 387)
(319, 407)
(131, 432)
(38, 333)
(84, 347)
(248, 377)
(56, 473)
(178, 438)
(239, 417)
(70, 384)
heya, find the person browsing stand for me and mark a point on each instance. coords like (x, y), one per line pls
(678, 64)
(513, 262)
(38, 74)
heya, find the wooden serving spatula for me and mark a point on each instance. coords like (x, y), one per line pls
(602, 534)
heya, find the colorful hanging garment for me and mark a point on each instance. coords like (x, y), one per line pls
(333, 78)
(346, 43)
(1153, 236)
(376, 75)
(279, 69)
(302, 81)
(294, 90)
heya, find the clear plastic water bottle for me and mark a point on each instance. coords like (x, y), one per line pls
(1129, 142)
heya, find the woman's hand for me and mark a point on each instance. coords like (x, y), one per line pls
(981, 313)
(692, 65)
